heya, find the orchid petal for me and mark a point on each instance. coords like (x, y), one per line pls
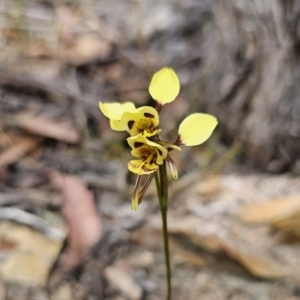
(140, 167)
(196, 129)
(115, 110)
(164, 86)
(116, 125)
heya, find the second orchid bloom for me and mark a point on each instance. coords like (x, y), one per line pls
(142, 125)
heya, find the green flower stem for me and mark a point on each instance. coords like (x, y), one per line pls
(162, 192)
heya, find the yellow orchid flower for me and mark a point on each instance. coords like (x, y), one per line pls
(151, 152)
(150, 155)
(145, 142)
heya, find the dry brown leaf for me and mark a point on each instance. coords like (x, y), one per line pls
(292, 223)
(209, 187)
(43, 126)
(188, 226)
(63, 292)
(78, 49)
(30, 256)
(184, 256)
(257, 261)
(271, 211)
(67, 19)
(143, 260)
(288, 228)
(258, 264)
(38, 49)
(7, 137)
(3, 293)
(80, 212)
(123, 282)
(84, 49)
(18, 150)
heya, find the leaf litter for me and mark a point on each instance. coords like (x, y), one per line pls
(234, 235)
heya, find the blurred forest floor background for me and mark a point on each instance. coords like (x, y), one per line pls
(66, 227)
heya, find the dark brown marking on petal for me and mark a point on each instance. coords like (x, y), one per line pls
(133, 166)
(146, 169)
(145, 152)
(147, 115)
(159, 151)
(137, 145)
(130, 124)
